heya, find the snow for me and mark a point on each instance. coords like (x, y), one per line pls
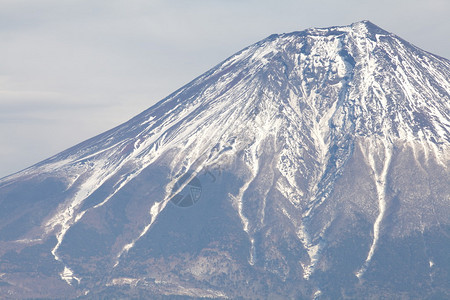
(67, 275)
(237, 202)
(317, 294)
(374, 153)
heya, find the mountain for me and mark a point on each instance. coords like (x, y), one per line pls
(313, 164)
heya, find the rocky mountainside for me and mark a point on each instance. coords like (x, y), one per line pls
(313, 164)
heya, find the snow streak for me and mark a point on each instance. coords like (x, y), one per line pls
(375, 152)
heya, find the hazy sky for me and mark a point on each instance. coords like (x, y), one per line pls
(70, 69)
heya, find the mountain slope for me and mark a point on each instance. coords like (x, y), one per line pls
(310, 163)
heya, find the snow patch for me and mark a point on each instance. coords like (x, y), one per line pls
(67, 276)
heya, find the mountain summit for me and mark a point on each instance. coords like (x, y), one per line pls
(310, 164)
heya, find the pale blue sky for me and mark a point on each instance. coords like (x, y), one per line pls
(72, 69)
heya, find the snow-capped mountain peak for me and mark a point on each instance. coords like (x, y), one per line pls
(278, 128)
